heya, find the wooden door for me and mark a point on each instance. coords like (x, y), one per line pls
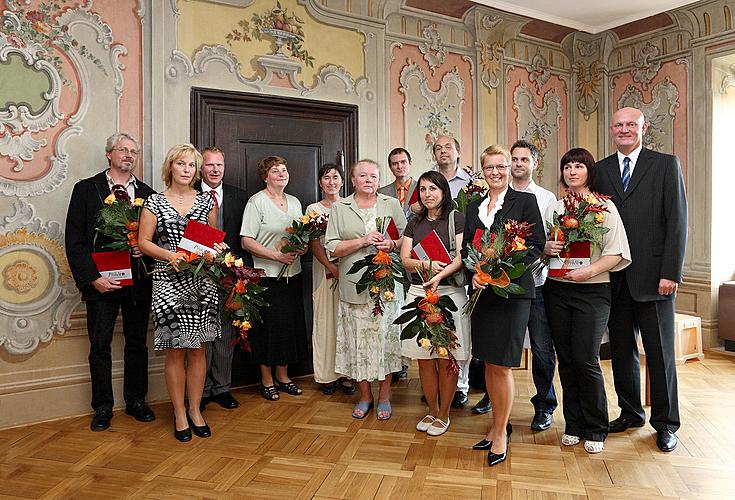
(249, 127)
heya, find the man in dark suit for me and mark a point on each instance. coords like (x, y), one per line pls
(648, 190)
(230, 202)
(105, 297)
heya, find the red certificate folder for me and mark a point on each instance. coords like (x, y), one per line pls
(391, 231)
(577, 256)
(414, 196)
(114, 265)
(431, 248)
(200, 238)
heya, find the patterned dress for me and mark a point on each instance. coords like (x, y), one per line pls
(185, 307)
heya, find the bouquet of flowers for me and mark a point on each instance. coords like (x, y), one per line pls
(118, 221)
(382, 271)
(581, 221)
(474, 190)
(430, 321)
(496, 258)
(240, 283)
(302, 230)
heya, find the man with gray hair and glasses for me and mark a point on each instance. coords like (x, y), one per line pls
(105, 297)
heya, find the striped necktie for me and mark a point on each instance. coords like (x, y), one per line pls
(626, 173)
(214, 197)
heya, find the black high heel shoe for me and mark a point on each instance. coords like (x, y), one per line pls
(183, 436)
(486, 445)
(496, 458)
(201, 431)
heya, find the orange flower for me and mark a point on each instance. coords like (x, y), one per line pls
(434, 318)
(131, 225)
(240, 287)
(191, 256)
(482, 277)
(518, 243)
(133, 238)
(432, 297)
(382, 258)
(556, 234)
(427, 307)
(231, 303)
(382, 273)
(290, 230)
(502, 281)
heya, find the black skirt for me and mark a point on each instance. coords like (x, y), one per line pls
(498, 329)
(275, 340)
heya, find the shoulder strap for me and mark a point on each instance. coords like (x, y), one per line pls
(452, 236)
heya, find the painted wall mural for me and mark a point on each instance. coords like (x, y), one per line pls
(68, 83)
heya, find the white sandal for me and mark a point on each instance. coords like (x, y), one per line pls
(423, 425)
(594, 446)
(438, 431)
(569, 440)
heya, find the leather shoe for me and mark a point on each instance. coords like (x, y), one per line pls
(496, 458)
(460, 399)
(622, 424)
(485, 444)
(202, 431)
(666, 440)
(541, 421)
(101, 419)
(483, 406)
(225, 400)
(183, 436)
(140, 411)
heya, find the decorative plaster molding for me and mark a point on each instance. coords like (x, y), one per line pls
(140, 10)
(351, 86)
(233, 3)
(391, 47)
(491, 56)
(540, 128)
(646, 67)
(434, 51)
(471, 62)
(587, 48)
(435, 99)
(369, 36)
(664, 91)
(39, 291)
(539, 73)
(587, 85)
(181, 60)
(84, 17)
(490, 21)
(728, 80)
(20, 148)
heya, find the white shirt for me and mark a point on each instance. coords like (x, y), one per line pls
(489, 218)
(633, 159)
(545, 199)
(217, 191)
(129, 186)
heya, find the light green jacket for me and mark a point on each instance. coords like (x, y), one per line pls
(345, 224)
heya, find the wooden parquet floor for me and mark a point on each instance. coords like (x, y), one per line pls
(310, 447)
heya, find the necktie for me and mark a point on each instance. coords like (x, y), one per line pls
(401, 191)
(626, 173)
(214, 197)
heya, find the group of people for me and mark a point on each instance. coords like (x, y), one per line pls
(628, 287)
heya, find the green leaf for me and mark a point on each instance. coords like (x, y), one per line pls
(516, 271)
(499, 291)
(515, 289)
(405, 317)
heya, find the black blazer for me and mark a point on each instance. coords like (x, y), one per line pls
(521, 207)
(654, 212)
(233, 206)
(87, 199)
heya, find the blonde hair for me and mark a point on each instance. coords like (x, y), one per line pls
(364, 160)
(493, 150)
(174, 154)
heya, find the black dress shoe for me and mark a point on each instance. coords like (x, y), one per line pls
(101, 419)
(622, 424)
(460, 399)
(184, 435)
(541, 421)
(225, 400)
(140, 411)
(483, 406)
(666, 440)
(485, 444)
(496, 458)
(202, 431)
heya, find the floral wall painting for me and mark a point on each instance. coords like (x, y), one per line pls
(491, 56)
(65, 46)
(587, 86)
(284, 27)
(37, 292)
(428, 113)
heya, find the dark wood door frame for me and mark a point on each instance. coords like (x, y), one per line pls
(206, 102)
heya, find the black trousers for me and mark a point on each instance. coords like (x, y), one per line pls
(578, 314)
(101, 316)
(655, 322)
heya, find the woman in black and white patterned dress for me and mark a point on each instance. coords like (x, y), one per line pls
(185, 307)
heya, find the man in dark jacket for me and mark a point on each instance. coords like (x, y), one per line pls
(230, 202)
(105, 297)
(647, 188)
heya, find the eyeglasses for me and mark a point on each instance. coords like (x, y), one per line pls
(499, 168)
(126, 151)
